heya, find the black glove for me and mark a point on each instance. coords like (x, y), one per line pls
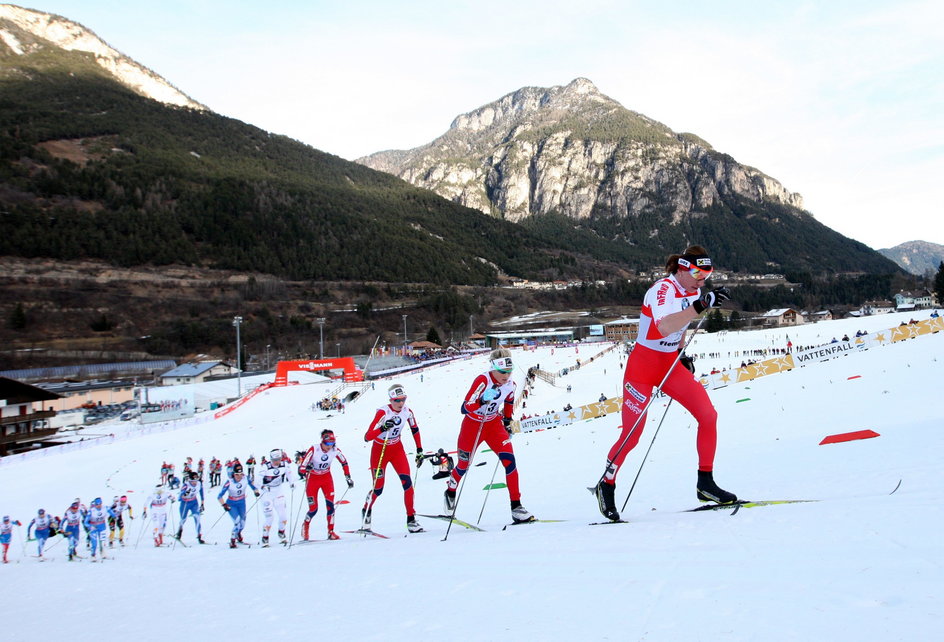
(350, 482)
(226, 507)
(256, 492)
(419, 459)
(712, 299)
(506, 422)
(389, 424)
(687, 362)
(201, 509)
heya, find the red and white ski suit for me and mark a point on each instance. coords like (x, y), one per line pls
(487, 417)
(385, 431)
(317, 466)
(648, 364)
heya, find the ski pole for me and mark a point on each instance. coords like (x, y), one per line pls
(258, 530)
(143, 527)
(292, 503)
(646, 456)
(416, 473)
(173, 530)
(297, 515)
(652, 397)
(377, 473)
(475, 446)
(217, 520)
(46, 548)
(488, 490)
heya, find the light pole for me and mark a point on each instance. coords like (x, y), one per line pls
(339, 349)
(239, 362)
(404, 330)
(267, 356)
(321, 322)
(470, 327)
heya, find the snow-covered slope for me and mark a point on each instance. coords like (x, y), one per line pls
(860, 564)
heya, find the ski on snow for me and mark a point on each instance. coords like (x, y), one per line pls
(743, 503)
(367, 531)
(534, 521)
(454, 520)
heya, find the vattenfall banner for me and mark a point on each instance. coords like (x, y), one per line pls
(748, 373)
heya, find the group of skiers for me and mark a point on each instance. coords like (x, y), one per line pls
(93, 519)
(657, 364)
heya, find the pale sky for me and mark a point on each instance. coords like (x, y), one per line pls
(839, 100)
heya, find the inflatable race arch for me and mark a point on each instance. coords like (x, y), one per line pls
(350, 370)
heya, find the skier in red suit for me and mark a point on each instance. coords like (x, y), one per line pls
(669, 306)
(487, 412)
(385, 431)
(316, 465)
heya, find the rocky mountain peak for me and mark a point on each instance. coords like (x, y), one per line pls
(572, 150)
(26, 31)
(917, 257)
(530, 102)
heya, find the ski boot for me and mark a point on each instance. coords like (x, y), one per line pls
(412, 525)
(365, 515)
(449, 498)
(232, 542)
(333, 535)
(180, 531)
(708, 490)
(283, 539)
(520, 514)
(605, 494)
(200, 539)
(265, 541)
(305, 526)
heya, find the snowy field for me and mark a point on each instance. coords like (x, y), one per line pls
(860, 564)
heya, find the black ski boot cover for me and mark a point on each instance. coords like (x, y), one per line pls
(605, 494)
(708, 490)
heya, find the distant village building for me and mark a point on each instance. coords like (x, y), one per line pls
(196, 372)
(905, 301)
(89, 394)
(622, 330)
(22, 425)
(816, 317)
(877, 307)
(781, 317)
(478, 339)
(419, 347)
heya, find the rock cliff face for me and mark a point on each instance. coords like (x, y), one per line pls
(24, 31)
(917, 257)
(573, 151)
